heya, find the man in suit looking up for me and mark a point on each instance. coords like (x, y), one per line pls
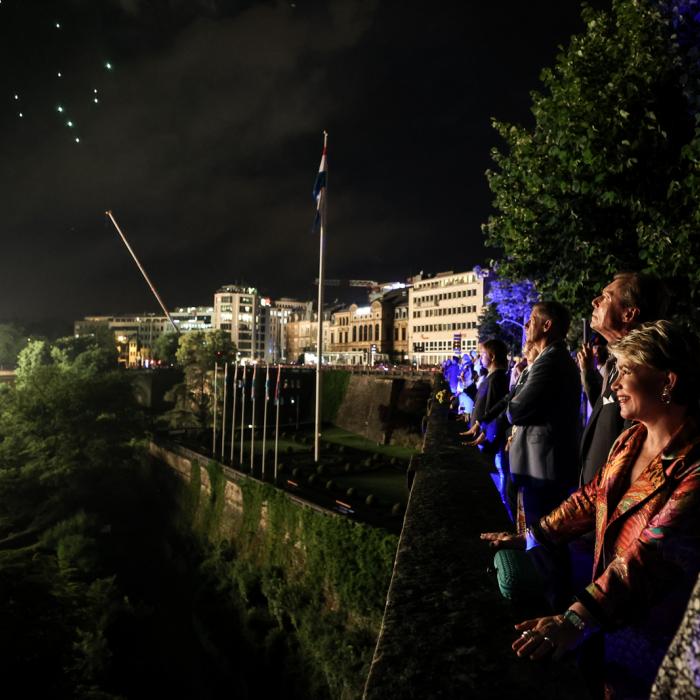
(545, 415)
(630, 299)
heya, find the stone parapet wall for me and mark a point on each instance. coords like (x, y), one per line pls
(386, 410)
(446, 631)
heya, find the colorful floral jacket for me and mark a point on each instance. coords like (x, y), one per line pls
(647, 535)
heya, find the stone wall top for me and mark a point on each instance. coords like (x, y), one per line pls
(447, 631)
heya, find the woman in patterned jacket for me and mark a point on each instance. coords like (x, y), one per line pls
(644, 506)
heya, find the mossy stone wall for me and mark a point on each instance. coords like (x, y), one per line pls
(322, 578)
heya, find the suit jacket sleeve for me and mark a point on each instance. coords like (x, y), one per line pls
(592, 381)
(530, 404)
(498, 390)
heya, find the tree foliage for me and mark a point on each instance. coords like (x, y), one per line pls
(165, 348)
(609, 176)
(12, 340)
(198, 353)
(508, 306)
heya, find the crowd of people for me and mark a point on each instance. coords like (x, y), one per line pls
(609, 494)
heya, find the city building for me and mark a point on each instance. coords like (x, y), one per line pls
(192, 318)
(281, 313)
(134, 335)
(443, 313)
(371, 333)
(245, 314)
(301, 335)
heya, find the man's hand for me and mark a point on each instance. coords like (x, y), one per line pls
(473, 431)
(585, 357)
(504, 540)
(478, 441)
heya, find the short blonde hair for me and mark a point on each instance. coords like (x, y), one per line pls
(668, 347)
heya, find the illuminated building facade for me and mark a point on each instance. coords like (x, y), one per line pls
(372, 333)
(192, 318)
(135, 334)
(245, 314)
(301, 335)
(282, 312)
(443, 313)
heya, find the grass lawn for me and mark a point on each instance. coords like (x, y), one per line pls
(386, 484)
(343, 437)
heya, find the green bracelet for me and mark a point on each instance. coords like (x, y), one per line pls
(574, 619)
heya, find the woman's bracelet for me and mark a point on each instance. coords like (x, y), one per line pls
(574, 619)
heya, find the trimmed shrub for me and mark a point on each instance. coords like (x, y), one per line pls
(370, 500)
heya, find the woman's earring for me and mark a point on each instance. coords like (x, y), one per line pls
(666, 395)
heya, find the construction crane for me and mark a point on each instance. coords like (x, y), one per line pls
(368, 284)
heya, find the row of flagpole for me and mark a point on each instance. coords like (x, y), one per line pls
(319, 195)
(215, 442)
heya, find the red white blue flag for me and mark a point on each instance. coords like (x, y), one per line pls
(277, 385)
(319, 191)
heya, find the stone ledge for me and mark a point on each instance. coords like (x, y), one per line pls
(447, 631)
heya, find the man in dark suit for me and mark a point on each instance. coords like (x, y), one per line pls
(630, 299)
(545, 415)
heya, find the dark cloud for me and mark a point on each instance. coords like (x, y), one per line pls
(207, 136)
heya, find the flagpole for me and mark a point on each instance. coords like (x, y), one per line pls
(319, 336)
(240, 461)
(277, 417)
(223, 411)
(264, 440)
(213, 432)
(252, 419)
(233, 412)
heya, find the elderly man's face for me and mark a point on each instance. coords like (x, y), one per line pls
(607, 317)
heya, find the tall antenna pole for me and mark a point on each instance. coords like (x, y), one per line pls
(322, 185)
(143, 272)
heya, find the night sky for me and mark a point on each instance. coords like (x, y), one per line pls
(206, 136)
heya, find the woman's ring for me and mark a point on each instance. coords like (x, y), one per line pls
(527, 634)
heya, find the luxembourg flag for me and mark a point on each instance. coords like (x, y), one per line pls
(319, 191)
(277, 385)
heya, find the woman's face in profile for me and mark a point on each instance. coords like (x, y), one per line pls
(639, 389)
